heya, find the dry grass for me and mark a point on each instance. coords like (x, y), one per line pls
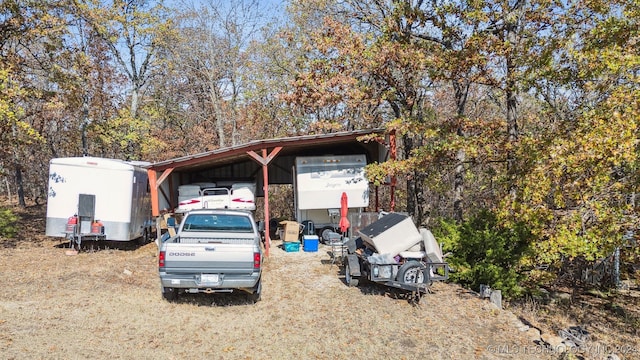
(107, 304)
(612, 320)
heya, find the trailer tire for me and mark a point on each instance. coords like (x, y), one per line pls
(170, 294)
(350, 280)
(142, 240)
(322, 236)
(411, 272)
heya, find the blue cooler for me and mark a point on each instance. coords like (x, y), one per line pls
(310, 243)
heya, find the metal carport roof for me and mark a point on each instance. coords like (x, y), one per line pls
(304, 145)
(275, 157)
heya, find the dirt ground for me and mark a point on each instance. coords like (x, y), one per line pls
(106, 303)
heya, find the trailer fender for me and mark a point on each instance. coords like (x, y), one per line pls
(354, 265)
(352, 245)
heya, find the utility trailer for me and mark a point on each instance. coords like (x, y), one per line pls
(91, 198)
(319, 182)
(394, 253)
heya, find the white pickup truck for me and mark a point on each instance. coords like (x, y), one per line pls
(213, 251)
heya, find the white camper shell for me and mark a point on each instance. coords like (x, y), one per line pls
(238, 196)
(115, 192)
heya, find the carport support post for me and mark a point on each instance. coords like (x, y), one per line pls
(264, 160)
(394, 155)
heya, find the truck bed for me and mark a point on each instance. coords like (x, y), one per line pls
(213, 251)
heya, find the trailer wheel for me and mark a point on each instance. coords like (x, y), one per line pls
(142, 240)
(350, 280)
(324, 234)
(170, 294)
(411, 272)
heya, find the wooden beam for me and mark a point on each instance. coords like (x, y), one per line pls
(164, 176)
(264, 160)
(153, 190)
(154, 185)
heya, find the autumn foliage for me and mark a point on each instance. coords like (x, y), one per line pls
(527, 111)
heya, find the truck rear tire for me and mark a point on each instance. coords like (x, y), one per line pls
(350, 280)
(257, 294)
(411, 272)
(170, 294)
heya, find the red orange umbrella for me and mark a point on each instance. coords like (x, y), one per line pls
(344, 209)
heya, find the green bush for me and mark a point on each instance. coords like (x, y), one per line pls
(8, 228)
(484, 252)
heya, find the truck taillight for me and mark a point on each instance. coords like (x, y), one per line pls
(256, 260)
(161, 259)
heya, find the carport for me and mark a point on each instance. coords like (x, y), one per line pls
(275, 157)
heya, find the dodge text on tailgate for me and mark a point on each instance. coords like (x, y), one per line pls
(213, 251)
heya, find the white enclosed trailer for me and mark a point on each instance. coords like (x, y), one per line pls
(111, 193)
(319, 182)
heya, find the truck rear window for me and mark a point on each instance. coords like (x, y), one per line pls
(208, 222)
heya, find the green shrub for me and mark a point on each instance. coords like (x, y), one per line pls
(484, 252)
(8, 227)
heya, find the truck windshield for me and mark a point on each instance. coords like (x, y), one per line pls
(208, 222)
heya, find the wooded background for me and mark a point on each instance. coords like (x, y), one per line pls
(515, 118)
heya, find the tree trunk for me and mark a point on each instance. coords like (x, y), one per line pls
(411, 184)
(20, 186)
(216, 103)
(512, 126)
(511, 98)
(420, 216)
(134, 100)
(461, 88)
(458, 185)
(512, 121)
(85, 122)
(415, 183)
(6, 182)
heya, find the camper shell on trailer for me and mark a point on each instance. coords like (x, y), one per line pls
(92, 198)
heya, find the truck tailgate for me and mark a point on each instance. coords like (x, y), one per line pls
(192, 258)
